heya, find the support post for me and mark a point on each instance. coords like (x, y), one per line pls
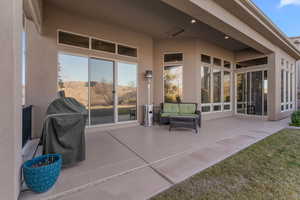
(11, 98)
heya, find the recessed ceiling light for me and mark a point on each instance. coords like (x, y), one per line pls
(226, 37)
(193, 21)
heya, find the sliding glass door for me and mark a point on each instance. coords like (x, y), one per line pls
(107, 88)
(256, 103)
(251, 90)
(127, 91)
(241, 102)
(101, 91)
(73, 77)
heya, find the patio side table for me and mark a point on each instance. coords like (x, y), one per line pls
(184, 122)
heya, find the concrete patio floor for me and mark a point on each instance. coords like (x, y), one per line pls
(138, 162)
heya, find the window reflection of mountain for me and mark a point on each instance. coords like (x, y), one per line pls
(75, 89)
(101, 93)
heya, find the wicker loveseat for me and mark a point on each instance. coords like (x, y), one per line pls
(178, 109)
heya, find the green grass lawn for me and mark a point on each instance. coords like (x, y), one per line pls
(268, 170)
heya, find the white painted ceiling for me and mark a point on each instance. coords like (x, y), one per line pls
(152, 17)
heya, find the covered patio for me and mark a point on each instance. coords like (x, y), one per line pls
(99, 54)
(137, 162)
(99, 57)
(225, 56)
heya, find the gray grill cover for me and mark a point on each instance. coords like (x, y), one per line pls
(64, 130)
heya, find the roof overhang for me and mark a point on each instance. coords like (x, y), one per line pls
(241, 20)
(250, 14)
(297, 37)
(33, 10)
(214, 15)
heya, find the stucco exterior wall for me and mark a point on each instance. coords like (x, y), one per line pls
(219, 15)
(10, 106)
(43, 49)
(280, 54)
(296, 41)
(192, 49)
(247, 54)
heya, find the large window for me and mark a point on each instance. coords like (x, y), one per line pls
(101, 91)
(217, 89)
(253, 62)
(226, 82)
(265, 91)
(215, 84)
(127, 91)
(92, 43)
(173, 57)
(173, 70)
(173, 83)
(287, 86)
(73, 39)
(252, 93)
(205, 84)
(73, 77)
(282, 87)
(103, 46)
(241, 93)
(107, 88)
(127, 51)
(23, 61)
(291, 89)
(226, 90)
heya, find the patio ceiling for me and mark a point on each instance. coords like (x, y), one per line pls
(154, 18)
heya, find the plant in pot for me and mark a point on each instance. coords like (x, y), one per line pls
(295, 119)
(41, 173)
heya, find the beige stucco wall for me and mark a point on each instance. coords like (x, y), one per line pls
(192, 49)
(280, 54)
(10, 106)
(43, 49)
(296, 41)
(215, 14)
(247, 54)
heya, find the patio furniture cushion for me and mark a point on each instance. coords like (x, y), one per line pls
(186, 108)
(171, 108)
(186, 115)
(168, 114)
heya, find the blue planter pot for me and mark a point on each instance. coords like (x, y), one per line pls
(41, 178)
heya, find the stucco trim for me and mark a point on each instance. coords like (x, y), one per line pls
(33, 10)
(269, 27)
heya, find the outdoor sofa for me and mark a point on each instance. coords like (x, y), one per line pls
(178, 110)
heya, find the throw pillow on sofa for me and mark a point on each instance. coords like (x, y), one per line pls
(171, 108)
